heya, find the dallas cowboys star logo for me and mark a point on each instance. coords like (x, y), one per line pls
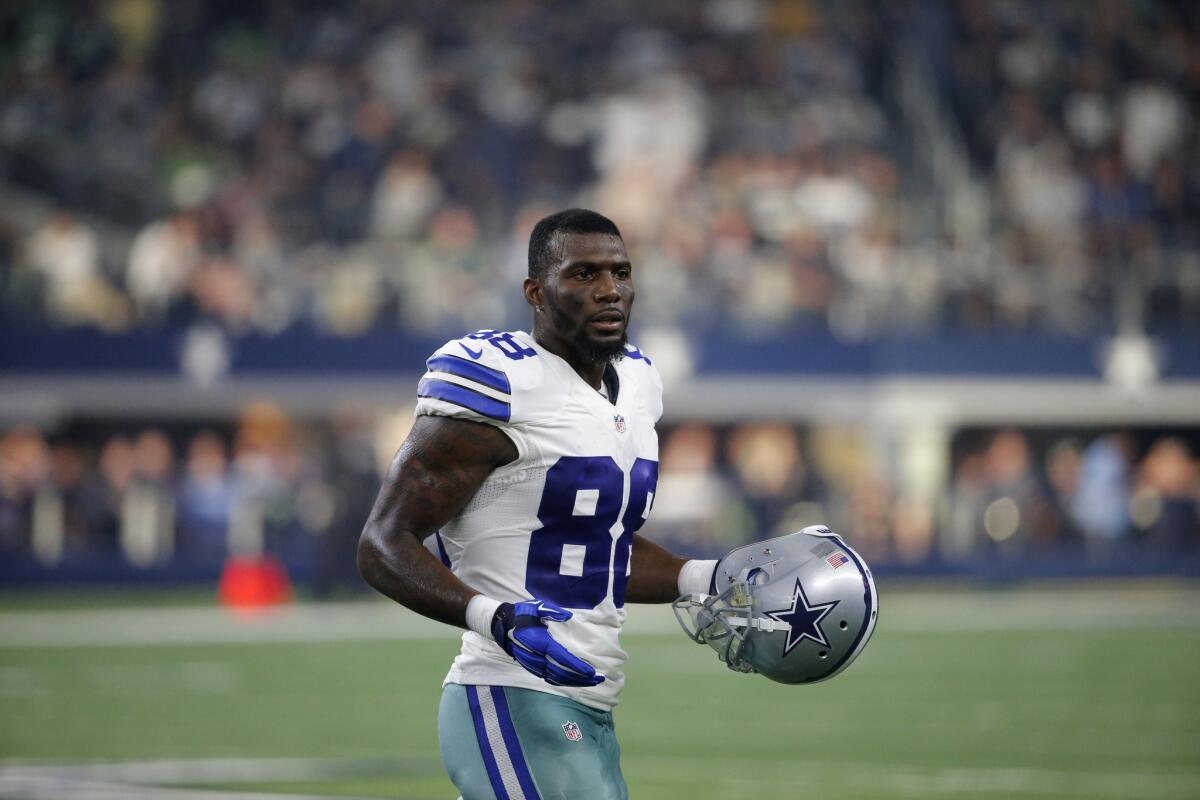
(803, 619)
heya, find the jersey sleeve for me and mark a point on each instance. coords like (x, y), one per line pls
(482, 379)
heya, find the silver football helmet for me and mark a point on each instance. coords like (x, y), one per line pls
(797, 609)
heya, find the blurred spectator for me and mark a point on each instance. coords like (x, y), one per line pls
(1101, 506)
(23, 468)
(1001, 504)
(1014, 496)
(1063, 464)
(221, 291)
(693, 502)
(148, 505)
(406, 195)
(352, 294)
(441, 282)
(964, 512)
(1154, 119)
(205, 499)
(1166, 500)
(59, 526)
(781, 492)
(868, 515)
(108, 491)
(351, 482)
(161, 262)
(267, 470)
(64, 253)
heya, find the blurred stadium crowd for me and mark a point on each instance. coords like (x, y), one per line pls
(369, 164)
(186, 496)
(373, 165)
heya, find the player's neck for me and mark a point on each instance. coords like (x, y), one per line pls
(590, 370)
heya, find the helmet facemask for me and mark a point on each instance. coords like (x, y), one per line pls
(725, 621)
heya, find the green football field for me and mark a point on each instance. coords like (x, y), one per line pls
(1056, 691)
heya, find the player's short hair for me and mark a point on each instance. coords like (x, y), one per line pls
(573, 220)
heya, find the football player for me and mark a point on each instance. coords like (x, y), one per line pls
(512, 511)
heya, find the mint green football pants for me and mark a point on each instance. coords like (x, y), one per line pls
(503, 743)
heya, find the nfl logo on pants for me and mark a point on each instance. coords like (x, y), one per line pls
(572, 731)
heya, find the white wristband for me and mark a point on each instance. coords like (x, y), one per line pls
(695, 577)
(480, 611)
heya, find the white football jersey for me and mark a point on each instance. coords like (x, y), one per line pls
(558, 522)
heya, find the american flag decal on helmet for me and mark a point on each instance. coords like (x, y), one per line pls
(835, 560)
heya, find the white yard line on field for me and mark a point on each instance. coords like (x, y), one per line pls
(904, 781)
(144, 780)
(1027, 782)
(48, 788)
(1089, 609)
(301, 622)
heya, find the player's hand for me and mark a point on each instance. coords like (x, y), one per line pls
(520, 629)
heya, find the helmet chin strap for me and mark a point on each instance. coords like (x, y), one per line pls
(758, 624)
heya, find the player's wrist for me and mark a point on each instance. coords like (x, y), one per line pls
(481, 610)
(696, 576)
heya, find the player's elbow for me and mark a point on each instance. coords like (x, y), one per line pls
(370, 555)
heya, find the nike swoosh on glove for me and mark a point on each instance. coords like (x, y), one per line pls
(520, 629)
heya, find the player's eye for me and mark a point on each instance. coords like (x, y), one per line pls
(622, 274)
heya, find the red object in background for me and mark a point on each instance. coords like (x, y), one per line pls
(249, 583)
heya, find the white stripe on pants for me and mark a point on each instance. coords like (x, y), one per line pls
(491, 724)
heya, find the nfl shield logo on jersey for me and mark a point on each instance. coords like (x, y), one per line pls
(619, 421)
(572, 731)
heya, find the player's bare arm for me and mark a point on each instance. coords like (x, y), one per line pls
(435, 473)
(653, 574)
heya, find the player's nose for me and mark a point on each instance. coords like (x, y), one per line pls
(605, 288)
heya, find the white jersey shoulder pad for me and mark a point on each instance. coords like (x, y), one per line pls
(638, 365)
(487, 376)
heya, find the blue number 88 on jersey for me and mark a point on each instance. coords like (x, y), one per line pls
(572, 555)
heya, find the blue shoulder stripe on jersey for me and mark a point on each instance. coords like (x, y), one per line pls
(485, 748)
(635, 353)
(513, 744)
(492, 378)
(467, 398)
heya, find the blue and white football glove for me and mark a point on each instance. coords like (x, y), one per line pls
(520, 629)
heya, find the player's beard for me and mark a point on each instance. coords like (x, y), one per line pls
(589, 349)
(601, 352)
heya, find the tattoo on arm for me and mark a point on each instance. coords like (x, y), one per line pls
(433, 476)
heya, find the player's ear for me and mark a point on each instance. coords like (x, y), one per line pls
(533, 292)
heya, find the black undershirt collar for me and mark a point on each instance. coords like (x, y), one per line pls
(611, 382)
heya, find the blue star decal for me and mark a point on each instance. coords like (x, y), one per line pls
(803, 619)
